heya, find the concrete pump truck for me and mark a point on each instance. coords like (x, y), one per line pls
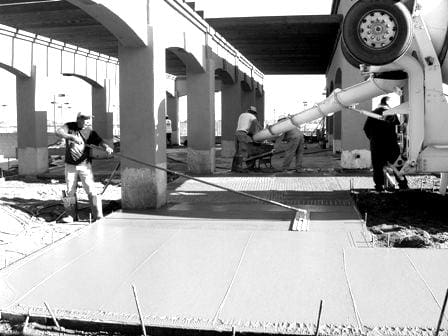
(400, 46)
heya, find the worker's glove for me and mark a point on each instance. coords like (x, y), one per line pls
(109, 150)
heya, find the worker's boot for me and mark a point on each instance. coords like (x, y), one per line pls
(403, 183)
(69, 209)
(96, 207)
(237, 165)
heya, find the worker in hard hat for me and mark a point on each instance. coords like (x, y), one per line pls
(248, 125)
(292, 142)
(384, 147)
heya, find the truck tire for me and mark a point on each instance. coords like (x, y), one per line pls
(376, 32)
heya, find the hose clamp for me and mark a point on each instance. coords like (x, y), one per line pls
(336, 98)
(269, 128)
(291, 119)
(317, 106)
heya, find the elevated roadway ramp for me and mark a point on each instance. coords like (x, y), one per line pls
(211, 266)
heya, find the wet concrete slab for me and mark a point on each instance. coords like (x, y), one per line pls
(388, 288)
(253, 279)
(284, 277)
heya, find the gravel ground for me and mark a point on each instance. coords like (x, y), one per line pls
(410, 218)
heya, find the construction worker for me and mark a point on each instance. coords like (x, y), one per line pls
(169, 130)
(293, 146)
(384, 147)
(248, 125)
(78, 162)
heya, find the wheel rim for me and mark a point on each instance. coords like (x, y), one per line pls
(377, 30)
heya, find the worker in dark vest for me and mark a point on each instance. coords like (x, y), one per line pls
(384, 147)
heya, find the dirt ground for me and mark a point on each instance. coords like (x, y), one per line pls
(29, 213)
(408, 218)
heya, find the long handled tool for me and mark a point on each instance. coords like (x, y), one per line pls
(299, 222)
(110, 178)
(262, 155)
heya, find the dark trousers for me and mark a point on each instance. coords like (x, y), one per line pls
(168, 138)
(382, 155)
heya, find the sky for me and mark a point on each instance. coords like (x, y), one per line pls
(284, 94)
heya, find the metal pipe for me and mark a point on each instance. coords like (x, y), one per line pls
(52, 316)
(367, 113)
(208, 183)
(442, 313)
(338, 100)
(139, 311)
(318, 318)
(416, 123)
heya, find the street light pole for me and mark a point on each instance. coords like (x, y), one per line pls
(54, 113)
(54, 109)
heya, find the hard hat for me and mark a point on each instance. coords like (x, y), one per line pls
(82, 115)
(252, 109)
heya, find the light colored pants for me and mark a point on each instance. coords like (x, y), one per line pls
(294, 148)
(84, 170)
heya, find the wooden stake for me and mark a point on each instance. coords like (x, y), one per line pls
(140, 315)
(25, 324)
(441, 314)
(233, 331)
(52, 316)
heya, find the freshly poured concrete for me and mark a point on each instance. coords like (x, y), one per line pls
(211, 272)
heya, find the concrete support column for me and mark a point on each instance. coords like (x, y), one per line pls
(32, 139)
(172, 108)
(259, 104)
(247, 99)
(102, 120)
(142, 123)
(231, 109)
(330, 137)
(337, 132)
(201, 120)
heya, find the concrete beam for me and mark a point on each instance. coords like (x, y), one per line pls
(127, 23)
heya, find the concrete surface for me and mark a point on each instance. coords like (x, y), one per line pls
(214, 260)
(210, 272)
